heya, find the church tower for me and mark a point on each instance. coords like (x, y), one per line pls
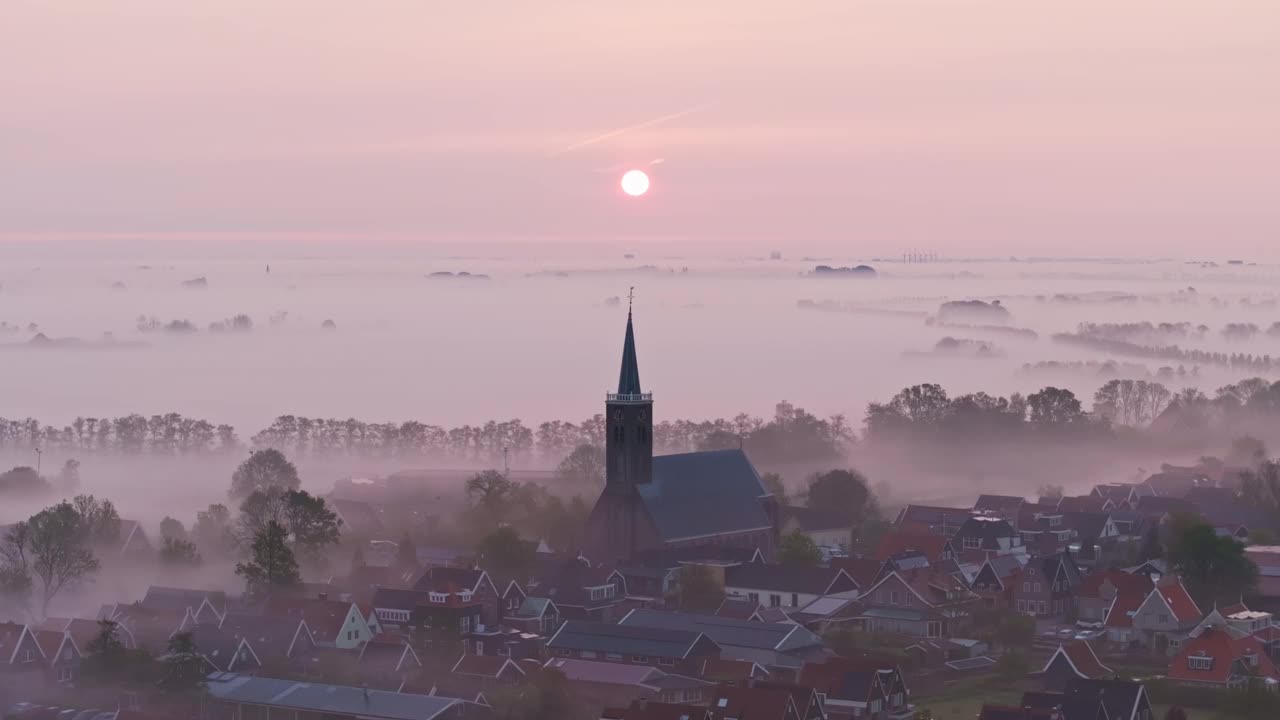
(628, 425)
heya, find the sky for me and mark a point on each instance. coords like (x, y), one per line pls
(985, 126)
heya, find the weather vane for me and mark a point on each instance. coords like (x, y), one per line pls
(631, 296)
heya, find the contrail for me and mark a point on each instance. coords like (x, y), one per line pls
(638, 126)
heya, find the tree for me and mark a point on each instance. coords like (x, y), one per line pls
(1247, 451)
(491, 492)
(584, 465)
(49, 552)
(774, 485)
(1212, 568)
(184, 668)
(699, 590)
(845, 493)
(212, 532)
(799, 550)
(310, 524)
(273, 565)
(98, 519)
(502, 551)
(172, 528)
(69, 476)
(176, 551)
(1015, 630)
(108, 662)
(23, 482)
(264, 470)
(1054, 407)
(1012, 666)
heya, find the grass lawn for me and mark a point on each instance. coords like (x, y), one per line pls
(966, 703)
(1158, 711)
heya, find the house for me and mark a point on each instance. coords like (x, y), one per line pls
(223, 650)
(678, 650)
(1006, 507)
(445, 616)
(1100, 593)
(817, 615)
(61, 655)
(995, 580)
(277, 642)
(387, 663)
(731, 672)
(134, 544)
(1165, 617)
(781, 648)
(859, 688)
(1153, 569)
(645, 709)
(1176, 482)
(1075, 659)
(1157, 506)
(935, 548)
(1267, 558)
(765, 703)
(605, 684)
(924, 602)
(234, 695)
(1047, 585)
(1083, 503)
(204, 605)
(1089, 699)
(1222, 656)
(931, 519)
(1123, 495)
(824, 528)
(535, 615)
(472, 585)
(489, 670)
(359, 519)
(983, 537)
(700, 498)
(786, 586)
(744, 609)
(333, 623)
(583, 592)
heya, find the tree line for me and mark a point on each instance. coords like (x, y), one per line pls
(792, 433)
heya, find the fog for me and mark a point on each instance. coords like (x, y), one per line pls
(535, 334)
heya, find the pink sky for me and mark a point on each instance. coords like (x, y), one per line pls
(974, 126)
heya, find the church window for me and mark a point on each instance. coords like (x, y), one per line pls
(644, 435)
(617, 433)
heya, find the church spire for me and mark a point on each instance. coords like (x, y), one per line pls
(629, 377)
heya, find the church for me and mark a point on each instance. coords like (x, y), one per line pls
(670, 501)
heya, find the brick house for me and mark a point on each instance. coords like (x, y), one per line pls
(786, 586)
(1222, 657)
(1046, 586)
(863, 688)
(1075, 659)
(473, 584)
(983, 537)
(995, 580)
(924, 602)
(1100, 593)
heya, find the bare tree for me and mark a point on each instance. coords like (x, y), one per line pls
(52, 551)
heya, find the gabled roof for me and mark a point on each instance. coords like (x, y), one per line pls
(223, 650)
(318, 698)
(1159, 505)
(272, 638)
(686, 486)
(1123, 582)
(1174, 595)
(52, 642)
(1223, 649)
(999, 503)
(1081, 503)
(488, 666)
(1087, 525)
(896, 541)
(723, 670)
(862, 570)
(789, 578)
(1081, 658)
(1064, 563)
(988, 529)
(159, 598)
(325, 618)
(755, 702)
(778, 637)
(452, 579)
(1120, 697)
(387, 657)
(358, 517)
(610, 673)
(664, 642)
(927, 517)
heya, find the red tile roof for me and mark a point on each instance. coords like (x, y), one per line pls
(1179, 600)
(898, 541)
(1085, 660)
(1125, 604)
(1225, 650)
(763, 703)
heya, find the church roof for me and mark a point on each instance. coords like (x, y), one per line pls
(704, 493)
(629, 377)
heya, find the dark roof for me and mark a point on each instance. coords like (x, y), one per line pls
(1119, 696)
(988, 529)
(448, 579)
(810, 519)
(999, 503)
(1220, 506)
(668, 558)
(271, 637)
(179, 599)
(629, 376)
(1159, 505)
(330, 700)
(686, 487)
(781, 637)
(789, 578)
(1088, 525)
(1069, 568)
(625, 639)
(219, 647)
(397, 599)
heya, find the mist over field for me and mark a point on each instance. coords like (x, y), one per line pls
(534, 335)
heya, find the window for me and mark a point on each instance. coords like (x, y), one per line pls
(617, 433)
(666, 661)
(465, 623)
(479, 647)
(437, 597)
(613, 656)
(28, 656)
(1026, 587)
(893, 597)
(66, 653)
(589, 654)
(972, 543)
(795, 600)
(754, 597)
(1200, 662)
(775, 600)
(1036, 588)
(722, 702)
(934, 628)
(64, 674)
(642, 659)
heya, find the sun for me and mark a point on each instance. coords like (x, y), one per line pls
(635, 183)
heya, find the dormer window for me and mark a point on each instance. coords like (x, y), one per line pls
(1200, 662)
(465, 595)
(972, 543)
(438, 597)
